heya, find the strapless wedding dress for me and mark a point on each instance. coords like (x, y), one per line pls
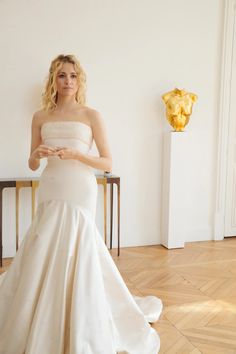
(63, 293)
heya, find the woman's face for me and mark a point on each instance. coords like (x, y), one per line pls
(66, 80)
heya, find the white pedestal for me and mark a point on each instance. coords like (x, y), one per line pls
(175, 175)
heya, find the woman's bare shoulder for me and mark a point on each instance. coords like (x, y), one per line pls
(89, 115)
(95, 116)
(39, 117)
(40, 114)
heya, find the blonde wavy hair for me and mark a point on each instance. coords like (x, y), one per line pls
(49, 97)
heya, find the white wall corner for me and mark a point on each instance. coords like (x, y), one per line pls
(224, 118)
(219, 226)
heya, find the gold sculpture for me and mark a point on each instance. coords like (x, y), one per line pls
(179, 107)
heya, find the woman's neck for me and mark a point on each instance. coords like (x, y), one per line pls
(66, 103)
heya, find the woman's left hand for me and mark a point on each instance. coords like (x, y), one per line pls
(67, 153)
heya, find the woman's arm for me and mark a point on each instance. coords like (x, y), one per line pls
(37, 150)
(104, 160)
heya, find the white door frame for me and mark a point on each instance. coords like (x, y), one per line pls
(224, 117)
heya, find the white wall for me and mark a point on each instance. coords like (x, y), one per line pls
(133, 52)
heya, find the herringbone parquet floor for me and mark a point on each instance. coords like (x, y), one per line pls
(197, 285)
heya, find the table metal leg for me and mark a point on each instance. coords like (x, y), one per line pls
(17, 215)
(1, 249)
(118, 216)
(111, 214)
(3, 184)
(105, 211)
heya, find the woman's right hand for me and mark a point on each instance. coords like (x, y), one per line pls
(43, 151)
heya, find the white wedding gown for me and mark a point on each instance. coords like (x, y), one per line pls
(63, 293)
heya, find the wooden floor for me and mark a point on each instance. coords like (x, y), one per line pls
(197, 285)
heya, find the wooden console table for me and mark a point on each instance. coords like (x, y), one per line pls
(19, 183)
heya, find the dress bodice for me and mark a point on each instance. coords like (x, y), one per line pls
(70, 134)
(60, 176)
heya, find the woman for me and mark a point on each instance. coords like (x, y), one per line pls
(62, 293)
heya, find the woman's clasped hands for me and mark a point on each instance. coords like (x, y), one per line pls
(63, 153)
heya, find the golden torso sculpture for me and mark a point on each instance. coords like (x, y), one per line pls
(179, 107)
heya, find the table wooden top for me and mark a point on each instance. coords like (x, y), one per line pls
(14, 179)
